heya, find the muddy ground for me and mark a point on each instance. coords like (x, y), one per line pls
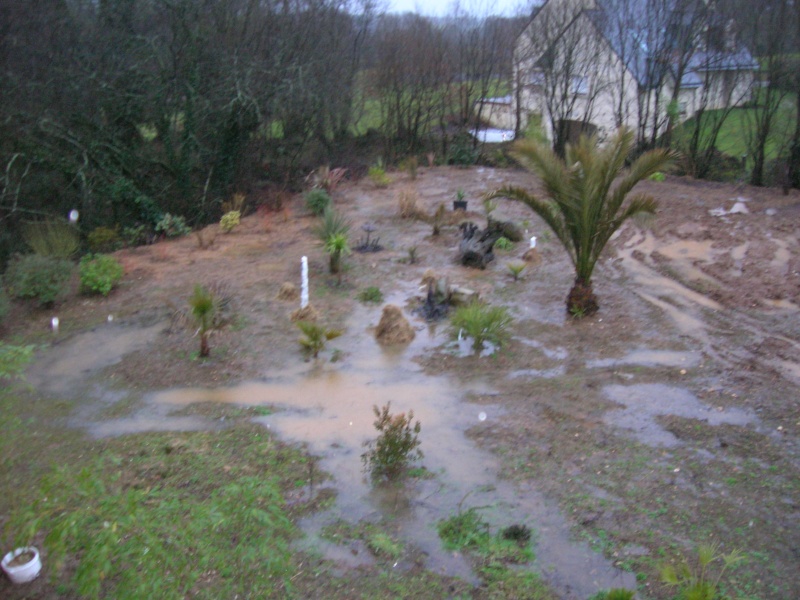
(670, 418)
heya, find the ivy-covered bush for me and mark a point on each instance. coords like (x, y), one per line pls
(43, 278)
(230, 220)
(173, 226)
(99, 273)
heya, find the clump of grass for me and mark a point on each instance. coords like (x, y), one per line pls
(407, 204)
(13, 360)
(516, 269)
(378, 176)
(315, 336)
(658, 176)
(396, 447)
(482, 323)
(51, 237)
(371, 294)
(202, 305)
(412, 254)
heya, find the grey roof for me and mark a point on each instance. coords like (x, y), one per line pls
(639, 36)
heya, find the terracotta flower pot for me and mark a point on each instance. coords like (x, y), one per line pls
(26, 571)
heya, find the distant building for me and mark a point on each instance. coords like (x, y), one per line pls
(596, 65)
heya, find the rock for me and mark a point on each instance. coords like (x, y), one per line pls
(393, 327)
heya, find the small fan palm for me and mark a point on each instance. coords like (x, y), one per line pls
(580, 204)
(203, 307)
(315, 336)
(336, 246)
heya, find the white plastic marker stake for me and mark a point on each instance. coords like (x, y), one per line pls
(73, 216)
(533, 241)
(304, 288)
(54, 324)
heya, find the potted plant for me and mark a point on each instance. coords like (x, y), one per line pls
(22, 565)
(459, 203)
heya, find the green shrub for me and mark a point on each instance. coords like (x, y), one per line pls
(657, 176)
(315, 336)
(462, 152)
(134, 235)
(173, 226)
(230, 220)
(483, 323)
(396, 447)
(43, 278)
(103, 239)
(503, 243)
(52, 237)
(371, 294)
(317, 201)
(99, 273)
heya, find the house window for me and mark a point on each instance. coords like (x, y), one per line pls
(579, 86)
(682, 108)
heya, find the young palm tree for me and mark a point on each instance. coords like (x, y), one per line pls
(336, 246)
(202, 304)
(582, 205)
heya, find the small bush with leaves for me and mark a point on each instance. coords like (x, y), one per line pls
(52, 237)
(135, 235)
(371, 294)
(230, 221)
(317, 201)
(503, 243)
(396, 447)
(103, 239)
(173, 226)
(43, 278)
(483, 323)
(315, 336)
(99, 273)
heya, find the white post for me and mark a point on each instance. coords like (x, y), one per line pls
(304, 287)
(73, 216)
(54, 324)
(533, 241)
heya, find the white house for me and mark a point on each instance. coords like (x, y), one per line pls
(597, 65)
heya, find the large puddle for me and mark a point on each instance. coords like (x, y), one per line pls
(328, 407)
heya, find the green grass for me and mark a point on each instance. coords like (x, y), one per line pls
(733, 136)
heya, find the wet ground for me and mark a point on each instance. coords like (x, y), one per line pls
(669, 419)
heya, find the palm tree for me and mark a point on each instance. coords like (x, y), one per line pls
(579, 203)
(203, 307)
(336, 246)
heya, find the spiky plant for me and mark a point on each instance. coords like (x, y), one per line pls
(516, 269)
(582, 204)
(315, 336)
(332, 223)
(483, 323)
(336, 246)
(203, 307)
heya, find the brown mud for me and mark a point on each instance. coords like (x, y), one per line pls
(668, 419)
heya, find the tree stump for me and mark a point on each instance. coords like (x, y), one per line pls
(476, 246)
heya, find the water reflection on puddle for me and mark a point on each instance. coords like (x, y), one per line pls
(644, 402)
(328, 407)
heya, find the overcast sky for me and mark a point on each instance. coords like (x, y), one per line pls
(478, 7)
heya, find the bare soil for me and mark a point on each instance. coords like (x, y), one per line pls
(670, 418)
